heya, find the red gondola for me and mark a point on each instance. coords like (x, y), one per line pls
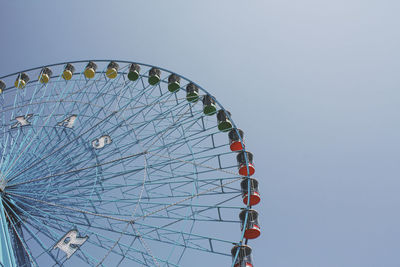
(243, 258)
(235, 140)
(252, 227)
(255, 197)
(244, 169)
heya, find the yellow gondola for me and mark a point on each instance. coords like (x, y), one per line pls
(45, 75)
(90, 70)
(68, 72)
(21, 80)
(112, 70)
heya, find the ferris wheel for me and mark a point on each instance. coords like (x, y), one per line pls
(116, 163)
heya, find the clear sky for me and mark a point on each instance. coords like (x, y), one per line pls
(313, 83)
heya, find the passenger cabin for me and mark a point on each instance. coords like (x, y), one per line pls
(209, 107)
(243, 258)
(134, 70)
(252, 229)
(68, 72)
(2, 86)
(224, 123)
(236, 142)
(192, 92)
(90, 70)
(255, 197)
(21, 80)
(154, 76)
(174, 83)
(45, 75)
(244, 168)
(112, 70)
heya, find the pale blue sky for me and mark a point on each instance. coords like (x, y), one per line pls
(313, 83)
